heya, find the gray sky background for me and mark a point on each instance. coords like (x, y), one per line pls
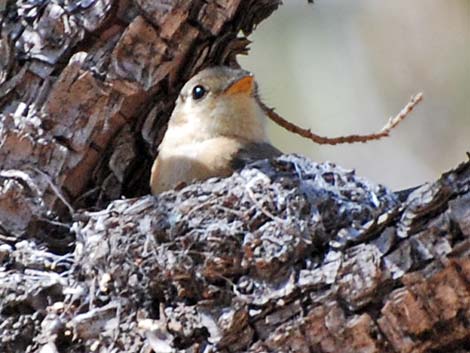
(342, 67)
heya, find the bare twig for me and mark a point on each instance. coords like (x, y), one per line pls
(307, 133)
(56, 190)
(259, 205)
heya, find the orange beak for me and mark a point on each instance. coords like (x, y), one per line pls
(242, 85)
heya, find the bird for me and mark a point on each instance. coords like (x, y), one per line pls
(216, 127)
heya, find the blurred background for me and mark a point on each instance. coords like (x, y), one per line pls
(344, 67)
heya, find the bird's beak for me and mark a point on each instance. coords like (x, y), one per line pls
(244, 84)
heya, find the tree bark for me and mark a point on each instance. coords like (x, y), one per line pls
(284, 256)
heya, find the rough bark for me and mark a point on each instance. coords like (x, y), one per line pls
(284, 256)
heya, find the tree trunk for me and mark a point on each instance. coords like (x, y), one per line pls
(284, 256)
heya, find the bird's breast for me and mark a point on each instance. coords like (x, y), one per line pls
(187, 162)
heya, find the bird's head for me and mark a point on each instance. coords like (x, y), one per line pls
(220, 101)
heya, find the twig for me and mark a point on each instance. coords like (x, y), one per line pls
(56, 190)
(307, 133)
(258, 204)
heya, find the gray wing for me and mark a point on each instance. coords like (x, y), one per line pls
(253, 152)
(403, 194)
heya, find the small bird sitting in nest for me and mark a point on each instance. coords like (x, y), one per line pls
(217, 126)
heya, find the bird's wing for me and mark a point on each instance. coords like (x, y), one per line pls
(403, 194)
(252, 152)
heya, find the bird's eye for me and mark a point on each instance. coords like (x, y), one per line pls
(198, 92)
